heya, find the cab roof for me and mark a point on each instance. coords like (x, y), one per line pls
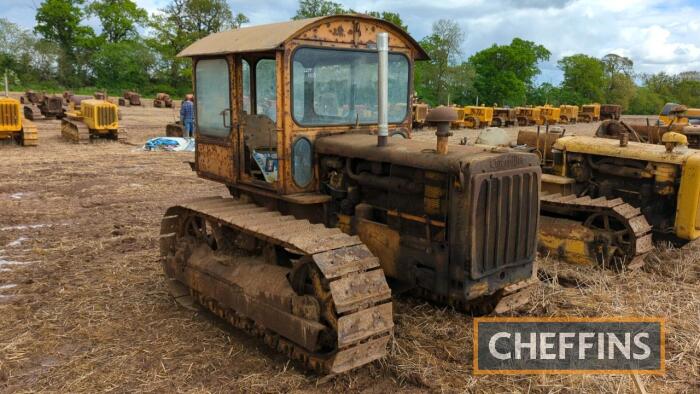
(272, 36)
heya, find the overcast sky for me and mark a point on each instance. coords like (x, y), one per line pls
(658, 35)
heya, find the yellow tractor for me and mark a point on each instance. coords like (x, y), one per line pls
(549, 115)
(13, 127)
(89, 119)
(679, 115)
(527, 116)
(589, 113)
(476, 117)
(326, 204)
(419, 111)
(568, 114)
(606, 199)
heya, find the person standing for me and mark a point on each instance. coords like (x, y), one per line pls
(187, 116)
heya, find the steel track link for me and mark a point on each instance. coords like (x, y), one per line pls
(632, 218)
(75, 132)
(360, 299)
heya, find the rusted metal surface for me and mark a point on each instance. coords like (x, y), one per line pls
(174, 129)
(129, 98)
(613, 232)
(354, 317)
(355, 29)
(504, 117)
(541, 142)
(163, 100)
(610, 111)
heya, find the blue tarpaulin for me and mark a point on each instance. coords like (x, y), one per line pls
(174, 144)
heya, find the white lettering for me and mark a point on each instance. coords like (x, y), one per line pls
(564, 345)
(545, 345)
(492, 346)
(601, 346)
(520, 345)
(583, 345)
(645, 348)
(614, 342)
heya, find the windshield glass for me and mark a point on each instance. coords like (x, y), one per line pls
(333, 87)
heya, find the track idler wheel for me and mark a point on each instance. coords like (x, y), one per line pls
(613, 239)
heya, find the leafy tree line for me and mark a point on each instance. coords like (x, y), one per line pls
(138, 51)
(132, 51)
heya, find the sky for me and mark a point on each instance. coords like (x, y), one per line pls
(658, 35)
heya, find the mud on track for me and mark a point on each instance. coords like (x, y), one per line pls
(84, 305)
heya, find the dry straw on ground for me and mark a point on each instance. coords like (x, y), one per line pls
(90, 311)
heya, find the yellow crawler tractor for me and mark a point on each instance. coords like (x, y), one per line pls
(635, 192)
(419, 113)
(589, 113)
(89, 119)
(476, 117)
(568, 114)
(549, 115)
(13, 128)
(527, 116)
(325, 204)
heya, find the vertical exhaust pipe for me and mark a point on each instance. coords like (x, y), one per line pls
(383, 88)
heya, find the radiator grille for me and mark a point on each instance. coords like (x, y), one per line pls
(106, 116)
(9, 115)
(504, 220)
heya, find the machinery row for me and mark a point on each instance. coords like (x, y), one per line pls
(83, 118)
(475, 117)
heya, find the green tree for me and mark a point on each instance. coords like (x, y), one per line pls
(178, 25)
(504, 73)
(59, 22)
(584, 78)
(119, 18)
(122, 65)
(545, 93)
(314, 8)
(619, 74)
(645, 102)
(392, 17)
(433, 77)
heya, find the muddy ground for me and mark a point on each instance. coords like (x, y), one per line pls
(84, 305)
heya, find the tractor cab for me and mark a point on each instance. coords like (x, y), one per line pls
(265, 94)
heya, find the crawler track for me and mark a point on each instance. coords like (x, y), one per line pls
(75, 131)
(622, 233)
(311, 292)
(32, 112)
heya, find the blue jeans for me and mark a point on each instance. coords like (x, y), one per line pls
(188, 128)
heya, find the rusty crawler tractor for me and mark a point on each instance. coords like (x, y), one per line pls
(31, 101)
(322, 209)
(51, 107)
(648, 133)
(163, 100)
(477, 117)
(568, 114)
(610, 111)
(589, 113)
(174, 129)
(504, 117)
(90, 119)
(13, 128)
(129, 99)
(527, 116)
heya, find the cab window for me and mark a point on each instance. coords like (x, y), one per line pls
(213, 99)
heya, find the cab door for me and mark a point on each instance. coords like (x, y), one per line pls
(259, 126)
(214, 154)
